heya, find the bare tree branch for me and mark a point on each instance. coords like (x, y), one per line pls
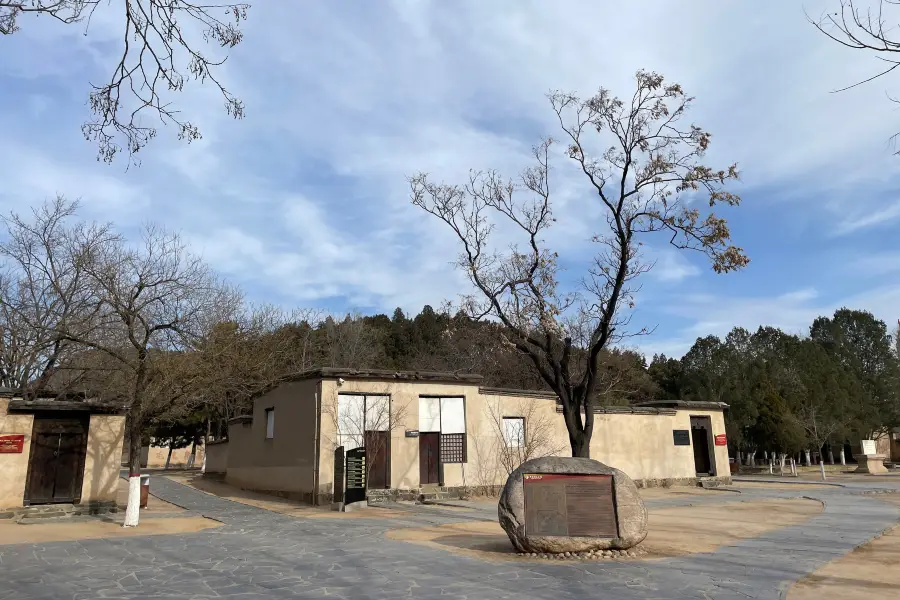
(870, 30)
(646, 182)
(158, 56)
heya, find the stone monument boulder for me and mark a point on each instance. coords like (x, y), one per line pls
(571, 505)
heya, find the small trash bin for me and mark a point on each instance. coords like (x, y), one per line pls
(145, 490)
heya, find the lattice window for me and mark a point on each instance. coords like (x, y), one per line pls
(453, 447)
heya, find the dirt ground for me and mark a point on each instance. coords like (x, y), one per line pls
(274, 503)
(60, 531)
(673, 531)
(868, 573)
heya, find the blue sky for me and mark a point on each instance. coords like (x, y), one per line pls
(305, 203)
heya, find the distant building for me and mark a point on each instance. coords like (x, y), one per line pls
(59, 450)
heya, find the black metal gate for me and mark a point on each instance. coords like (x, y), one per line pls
(355, 490)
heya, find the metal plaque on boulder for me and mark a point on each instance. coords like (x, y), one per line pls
(567, 505)
(356, 476)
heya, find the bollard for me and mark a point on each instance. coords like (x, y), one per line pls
(145, 490)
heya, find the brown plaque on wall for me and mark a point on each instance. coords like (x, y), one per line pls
(570, 505)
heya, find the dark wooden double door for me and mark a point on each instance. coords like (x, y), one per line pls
(56, 462)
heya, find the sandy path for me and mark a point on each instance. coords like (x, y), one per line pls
(871, 572)
(673, 531)
(61, 531)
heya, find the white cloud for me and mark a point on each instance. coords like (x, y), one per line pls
(307, 197)
(35, 177)
(876, 217)
(792, 312)
(875, 264)
(671, 266)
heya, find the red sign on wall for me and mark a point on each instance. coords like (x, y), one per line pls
(12, 444)
(721, 440)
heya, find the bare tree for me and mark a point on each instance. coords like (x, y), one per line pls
(820, 426)
(43, 289)
(241, 357)
(155, 40)
(897, 340)
(151, 301)
(644, 182)
(350, 343)
(872, 29)
(523, 432)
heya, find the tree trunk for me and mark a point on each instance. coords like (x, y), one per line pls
(133, 506)
(136, 410)
(206, 443)
(580, 447)
(808, 459)
(579, 432)
(169, 456)
(843, 458)
(193, 456)
(822, 468)
(830, 455)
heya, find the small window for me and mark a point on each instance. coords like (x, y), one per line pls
(270, 423)
(453, 448)
(514, 431)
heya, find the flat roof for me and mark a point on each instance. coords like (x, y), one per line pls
(697, 405)
(385, 375)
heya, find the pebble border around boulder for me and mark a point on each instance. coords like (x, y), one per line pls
(631, 513)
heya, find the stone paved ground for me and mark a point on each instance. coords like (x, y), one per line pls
(260, 554)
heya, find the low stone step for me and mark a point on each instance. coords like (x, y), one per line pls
(44, 517)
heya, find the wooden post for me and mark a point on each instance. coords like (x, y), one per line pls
(337, 500)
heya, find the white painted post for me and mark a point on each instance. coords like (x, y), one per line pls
(133, 508)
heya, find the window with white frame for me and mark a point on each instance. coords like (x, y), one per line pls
(359, 413)
(270, 423)
(446, 416)
(514, 431)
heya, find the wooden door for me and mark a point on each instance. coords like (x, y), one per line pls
(700, 427)
(56, 462)
(378, 456)
(429, 458)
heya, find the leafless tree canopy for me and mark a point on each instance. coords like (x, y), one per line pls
(643, 180)
(158, 55)
(44, 290)
(866, 26)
